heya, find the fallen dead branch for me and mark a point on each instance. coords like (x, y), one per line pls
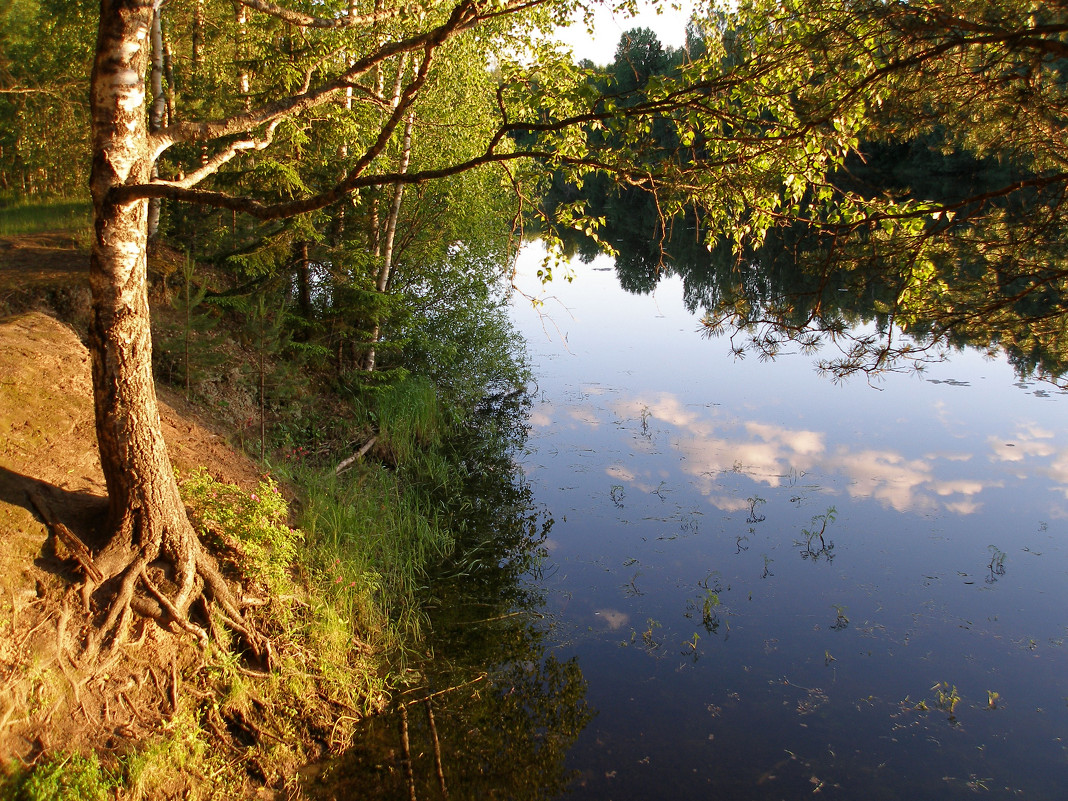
(345, 464)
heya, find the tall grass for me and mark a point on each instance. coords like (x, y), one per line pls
(43, 215)
(376, 539)
(410, 417)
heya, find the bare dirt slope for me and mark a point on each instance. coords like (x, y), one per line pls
(48, 448)
(45, 271)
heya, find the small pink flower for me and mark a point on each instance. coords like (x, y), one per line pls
(337, 580)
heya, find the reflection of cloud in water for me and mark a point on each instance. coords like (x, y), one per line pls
(1027, 443)
(584, 414)
(949, 456)
(887, 476)
(766, 453)
(711, 444)
(1058, 471)
(542, 416)
(666, 408)
(780, 451)
(621, 473)
(727, 503)
(1018, 451)
(710, 456)
(800, 442)
(1035, 431)
(641, 484)
(613, 617)
(961, 487)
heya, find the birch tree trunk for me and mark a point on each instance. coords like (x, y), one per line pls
(158, 108)
(390, 235)
(153, 559)
(384, 239)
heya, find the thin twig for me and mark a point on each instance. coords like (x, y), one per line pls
(437, 748)
(408, 767)
(489, 619)
(475, 680)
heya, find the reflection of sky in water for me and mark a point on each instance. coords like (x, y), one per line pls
(913, 443)
(672, 467)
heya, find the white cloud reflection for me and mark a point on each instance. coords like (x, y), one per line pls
(710, 442)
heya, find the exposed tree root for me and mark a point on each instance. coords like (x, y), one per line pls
(177, 617)
(162, 579)
(116, 626)
(220, 592)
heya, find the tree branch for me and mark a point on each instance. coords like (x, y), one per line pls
(215, 163)
(346, 21)
(464, 16)
(355, 178)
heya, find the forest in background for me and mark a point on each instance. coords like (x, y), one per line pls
(327, 310)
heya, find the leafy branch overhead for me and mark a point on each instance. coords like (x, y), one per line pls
(760, 119)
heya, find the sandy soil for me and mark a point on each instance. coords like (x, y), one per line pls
(48, 448)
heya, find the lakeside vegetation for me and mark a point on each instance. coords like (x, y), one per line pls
(344, 576)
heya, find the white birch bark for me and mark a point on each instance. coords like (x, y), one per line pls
(391, 233)
(157, 111)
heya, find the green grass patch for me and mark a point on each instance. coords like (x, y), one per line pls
(252, 523)
(64, 777)
(375, 537)
(39, 216)
(409, 415)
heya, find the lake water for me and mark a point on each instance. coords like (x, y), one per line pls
(777, 586)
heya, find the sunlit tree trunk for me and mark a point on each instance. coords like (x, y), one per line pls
(153, 556)
(374, 223)
(143, 496)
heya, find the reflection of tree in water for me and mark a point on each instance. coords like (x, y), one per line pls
(996, 281)
(504, 711)
(987, 269)
(505, 737)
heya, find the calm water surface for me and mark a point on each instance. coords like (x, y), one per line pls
(777, 586)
